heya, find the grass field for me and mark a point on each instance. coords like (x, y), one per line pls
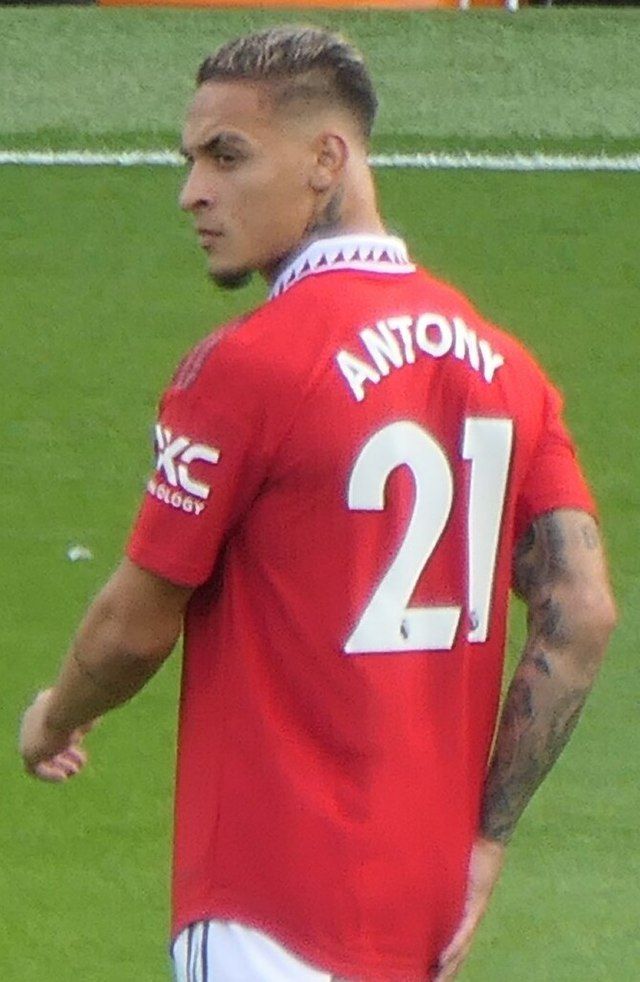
(484, 79)
(102, 288)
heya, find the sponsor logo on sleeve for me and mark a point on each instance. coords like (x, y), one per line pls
(173, 482)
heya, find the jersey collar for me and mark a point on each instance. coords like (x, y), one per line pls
(371, 253)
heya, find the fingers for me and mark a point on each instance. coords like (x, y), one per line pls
(60, 768)
(454, 955)
(448, 973)
(50, 754)
(485, 865)
(74, 759)
(48, 771)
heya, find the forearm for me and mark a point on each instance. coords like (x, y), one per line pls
(93, 681)
(541, 709)
(107, 664)
(560, 571)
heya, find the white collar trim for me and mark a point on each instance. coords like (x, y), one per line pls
(374, 253)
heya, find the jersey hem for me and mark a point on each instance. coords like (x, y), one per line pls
(156, 563)
(322, 957)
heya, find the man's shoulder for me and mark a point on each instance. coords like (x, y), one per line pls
(221, 349)
(194, 361)
(453, 301)
(247, 357)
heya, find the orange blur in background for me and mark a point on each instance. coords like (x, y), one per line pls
(389, 4)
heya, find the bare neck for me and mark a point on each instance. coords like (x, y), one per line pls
(348, 209)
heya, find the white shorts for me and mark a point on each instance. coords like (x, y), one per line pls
(225, 951)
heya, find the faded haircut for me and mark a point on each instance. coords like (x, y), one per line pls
(304, 64)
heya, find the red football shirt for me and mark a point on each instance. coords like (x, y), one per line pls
(342, 475)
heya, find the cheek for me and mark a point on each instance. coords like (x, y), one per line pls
(272, 205)
(288, 202)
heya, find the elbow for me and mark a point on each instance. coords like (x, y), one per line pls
(602, 613)
(153, 651)
(150, 645)
(131, 638)
(596, 617)
(609, 615)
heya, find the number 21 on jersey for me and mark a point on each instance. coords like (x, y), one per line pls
(387, 622)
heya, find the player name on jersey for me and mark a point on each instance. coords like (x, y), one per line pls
(398, 341)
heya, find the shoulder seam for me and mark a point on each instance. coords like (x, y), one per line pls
(194, 361)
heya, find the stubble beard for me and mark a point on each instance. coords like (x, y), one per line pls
(234, 279)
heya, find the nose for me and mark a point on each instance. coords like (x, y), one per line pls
(197, 191)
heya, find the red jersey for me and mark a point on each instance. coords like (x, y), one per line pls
(342, 475)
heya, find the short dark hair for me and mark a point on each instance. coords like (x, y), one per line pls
(306, 63)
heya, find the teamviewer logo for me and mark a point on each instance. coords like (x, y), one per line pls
(173, 484)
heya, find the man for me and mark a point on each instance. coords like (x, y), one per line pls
(348, 480)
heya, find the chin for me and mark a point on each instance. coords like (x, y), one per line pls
(231, 279)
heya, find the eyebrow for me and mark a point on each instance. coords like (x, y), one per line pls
(216, 143)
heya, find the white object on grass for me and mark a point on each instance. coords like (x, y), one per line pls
(78, 553)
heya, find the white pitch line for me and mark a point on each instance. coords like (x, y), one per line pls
(423, 161)
(508, 162)
(89, 158)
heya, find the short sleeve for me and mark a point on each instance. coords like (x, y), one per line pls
(210, 448)
(554, 478)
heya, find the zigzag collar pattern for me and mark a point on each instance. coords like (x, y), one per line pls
(374, 253)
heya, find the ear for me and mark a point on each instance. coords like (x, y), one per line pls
(331, 154)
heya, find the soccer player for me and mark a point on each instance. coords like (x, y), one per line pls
(349, 480)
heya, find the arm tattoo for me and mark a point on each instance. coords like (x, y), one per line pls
(539, 557)
(554, 677)
(531, 737)
(539, 563)
(552, 625)
(541, 663)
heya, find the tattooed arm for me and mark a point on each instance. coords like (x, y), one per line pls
(560, 571)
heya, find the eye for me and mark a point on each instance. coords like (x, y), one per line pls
(226, 159)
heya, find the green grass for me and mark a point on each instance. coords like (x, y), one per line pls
(102, 289)
(562, 79)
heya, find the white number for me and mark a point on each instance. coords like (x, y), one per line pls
(388, 624)
(487, 444)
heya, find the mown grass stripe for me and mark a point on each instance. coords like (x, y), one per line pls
(424, 161)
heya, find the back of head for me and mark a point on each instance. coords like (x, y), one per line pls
(304, 66)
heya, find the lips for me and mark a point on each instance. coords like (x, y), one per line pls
(208, 236)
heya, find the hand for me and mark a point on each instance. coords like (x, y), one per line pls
(48, 753)
(485, 866)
